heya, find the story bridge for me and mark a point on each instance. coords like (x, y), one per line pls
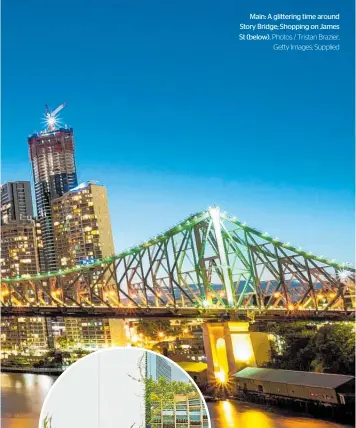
(208, 266)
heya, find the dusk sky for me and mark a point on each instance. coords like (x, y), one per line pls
(173, 113)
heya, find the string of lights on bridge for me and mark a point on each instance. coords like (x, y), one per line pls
(343, 268)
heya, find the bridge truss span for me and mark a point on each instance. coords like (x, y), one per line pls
(208, 263)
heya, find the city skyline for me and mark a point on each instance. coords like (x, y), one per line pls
(179, 132)
(178, 214)
(309, 229)
(100, 176)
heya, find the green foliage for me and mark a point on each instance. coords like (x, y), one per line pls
(52, 359)
(329, 349)
(64, 343)
(79, 353)
(57, 358)
(47, 423)
(16, 360)
(161, 390)
(165, 390)
(334, 346)
(151, 328)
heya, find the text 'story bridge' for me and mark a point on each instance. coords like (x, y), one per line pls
(209, 265)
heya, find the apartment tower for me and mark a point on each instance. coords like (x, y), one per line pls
(54, 174)
(81, 225)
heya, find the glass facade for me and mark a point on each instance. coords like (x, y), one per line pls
(16, 202)
(157, 367)
(54, 173)
(182, 412)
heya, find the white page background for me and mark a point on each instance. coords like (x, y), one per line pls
(97, 392)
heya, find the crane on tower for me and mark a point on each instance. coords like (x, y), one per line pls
(51, 117)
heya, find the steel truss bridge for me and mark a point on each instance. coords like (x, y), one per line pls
(209, 265)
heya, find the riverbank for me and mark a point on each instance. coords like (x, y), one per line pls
(34, 370)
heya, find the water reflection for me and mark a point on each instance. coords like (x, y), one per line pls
(229, 412)
(22, 396)
(232, 414)
(254, 418)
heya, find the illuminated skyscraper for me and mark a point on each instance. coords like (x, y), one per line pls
(16, 201)
(82, 228)
(19, 257)
(23, 333)
(95, 333)
(19, 254)
(18, 233)
(54, 173)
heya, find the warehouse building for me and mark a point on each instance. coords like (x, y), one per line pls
(324, 388)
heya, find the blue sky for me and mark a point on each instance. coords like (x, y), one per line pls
(173, 113)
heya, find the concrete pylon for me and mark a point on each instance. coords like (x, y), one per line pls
(230, 346)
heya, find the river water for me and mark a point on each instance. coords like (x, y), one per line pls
(22, 396)
(236, 414)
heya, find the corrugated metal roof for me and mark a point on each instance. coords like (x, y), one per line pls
(190, 366)
(321, 380)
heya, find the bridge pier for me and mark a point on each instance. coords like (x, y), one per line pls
(230, 346)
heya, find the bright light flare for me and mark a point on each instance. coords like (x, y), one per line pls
(220, 376)
(51, 121)
(242, 347)
(344, 275)
(51, 118)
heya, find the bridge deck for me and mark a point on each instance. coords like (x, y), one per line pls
(171, 313)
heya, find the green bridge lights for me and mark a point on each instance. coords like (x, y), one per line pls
(210, 261)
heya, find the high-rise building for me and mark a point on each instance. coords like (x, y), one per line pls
(23, 333)
(39, 242)
(81, 225)
(19, 254)
(157, 367)
(19, 257)
(95, 333)
(16, 202)
(18, 232)
(54, 173)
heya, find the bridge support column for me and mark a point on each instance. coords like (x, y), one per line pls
(117, 332)
(230, 346)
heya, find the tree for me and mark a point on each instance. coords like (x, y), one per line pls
(153, 329)
(295, 338)
(329, 349)
(64, 343)
(334, 348)
(161, 391)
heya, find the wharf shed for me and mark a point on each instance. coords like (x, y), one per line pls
(321, 387)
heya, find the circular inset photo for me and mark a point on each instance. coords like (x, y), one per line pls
(124, 388)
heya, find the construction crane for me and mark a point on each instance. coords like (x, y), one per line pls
(51, 117)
